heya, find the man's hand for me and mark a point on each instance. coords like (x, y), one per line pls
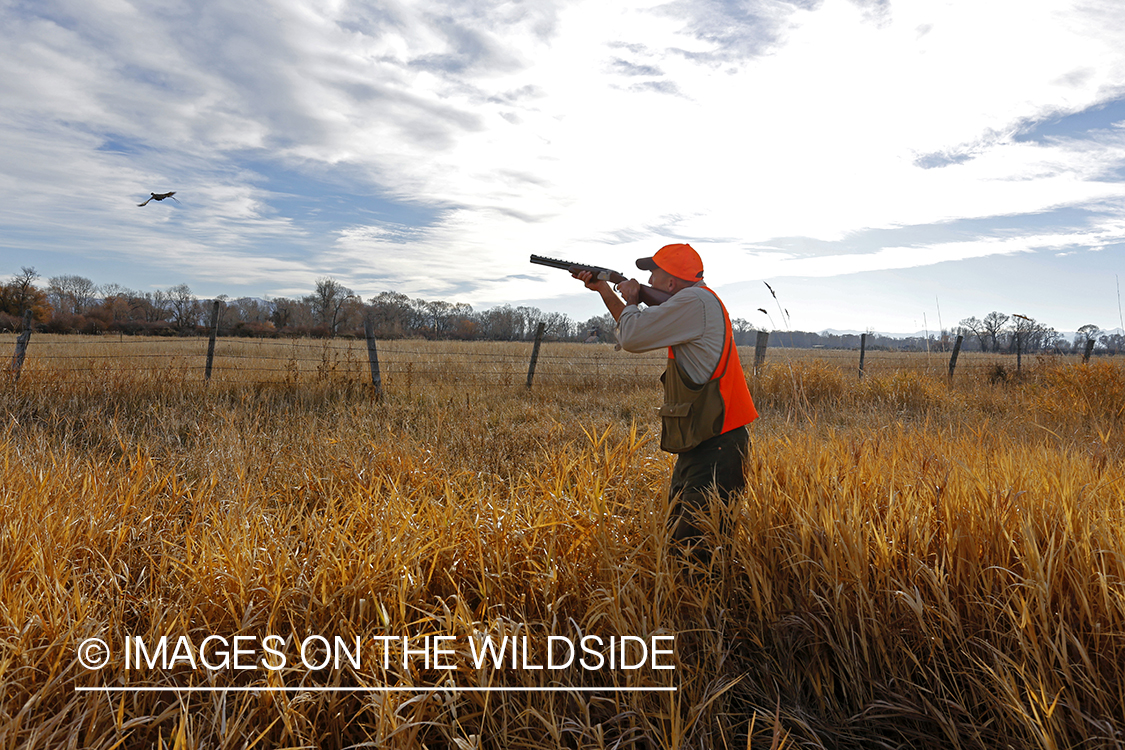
(587, 278)
(630, 290)
(602, 287)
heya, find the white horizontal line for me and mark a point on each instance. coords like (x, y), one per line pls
(267, 689)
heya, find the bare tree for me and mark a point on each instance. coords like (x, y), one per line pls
(72, 294)
(530, 316)
(328, 301)
(463, 315)
(152, 307)
(351, 313)
(504, 323)
(1113, 342)
(741, 328)
(391, 314)
(604, 325)
(972, 327)
(440, 317)
(289, 312)
(993, 325)
(113, 289)
(250, 310)
(559, 326)
(184, 306)
(1086, 334)
(23, 288)
(1024, 330)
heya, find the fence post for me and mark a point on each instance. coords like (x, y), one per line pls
(21, 345)
(862, 351)
(760, 351)
(535, 352)
(1089, 350)
(211, 341)
(956, 351)
(373, 358)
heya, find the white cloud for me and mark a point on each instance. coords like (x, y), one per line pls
(818, 139)
(588, 129)
(739, 266)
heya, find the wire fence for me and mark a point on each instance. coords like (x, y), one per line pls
(265, 361)
(399, 363)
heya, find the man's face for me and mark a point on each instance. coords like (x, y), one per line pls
(661, 279)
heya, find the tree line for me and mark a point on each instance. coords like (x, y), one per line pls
(999, 332)
(75, 304)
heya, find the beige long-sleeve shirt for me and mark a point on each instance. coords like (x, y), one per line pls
(691, 322)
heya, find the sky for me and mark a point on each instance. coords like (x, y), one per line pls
(885, 166)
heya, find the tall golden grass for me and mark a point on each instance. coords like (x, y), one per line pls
(915, 563)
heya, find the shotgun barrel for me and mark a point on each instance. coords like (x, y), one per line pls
(649, 296)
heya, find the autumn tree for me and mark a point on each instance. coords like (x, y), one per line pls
(21, 294)
(117, 302)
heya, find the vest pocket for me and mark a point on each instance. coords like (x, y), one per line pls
(676, 429)
(675, 410)
(686, 424)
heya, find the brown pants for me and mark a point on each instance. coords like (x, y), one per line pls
(716, 466)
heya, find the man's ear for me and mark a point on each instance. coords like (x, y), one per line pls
(678, 284)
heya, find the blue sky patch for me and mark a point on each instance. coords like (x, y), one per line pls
(334, 197)
(1101, 117)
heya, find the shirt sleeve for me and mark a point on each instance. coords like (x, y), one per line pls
(677, 321)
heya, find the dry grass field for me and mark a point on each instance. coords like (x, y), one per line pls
(915, 563)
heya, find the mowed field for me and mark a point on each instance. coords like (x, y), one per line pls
(915, 563)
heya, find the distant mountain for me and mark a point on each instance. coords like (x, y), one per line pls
(1110, 331)
(840, 332)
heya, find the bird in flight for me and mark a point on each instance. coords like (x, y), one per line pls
(159, 197)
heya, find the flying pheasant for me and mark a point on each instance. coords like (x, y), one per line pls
(159, 197)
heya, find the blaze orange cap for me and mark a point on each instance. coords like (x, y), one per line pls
(680, 260)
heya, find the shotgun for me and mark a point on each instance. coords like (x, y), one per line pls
(649, 296)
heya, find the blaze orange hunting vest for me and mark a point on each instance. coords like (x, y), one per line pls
(692, 414)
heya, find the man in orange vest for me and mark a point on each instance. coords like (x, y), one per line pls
(707, 404)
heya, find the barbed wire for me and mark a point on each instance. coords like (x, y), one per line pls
(345, 361)
(359, 350)
(389, 365)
